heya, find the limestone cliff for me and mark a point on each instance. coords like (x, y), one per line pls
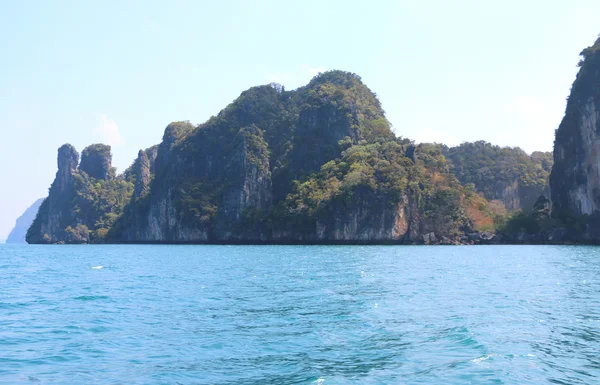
(142, 174)
(96, 161)
(365, 218)
(83, 201)
(575, 178)
(248, 185)
(50, 223)
(316, 164)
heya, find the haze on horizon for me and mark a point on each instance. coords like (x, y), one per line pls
(119, 72)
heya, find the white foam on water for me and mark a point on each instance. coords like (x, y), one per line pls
(482, 358)
(97, 267)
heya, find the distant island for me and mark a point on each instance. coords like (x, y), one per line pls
(320, 164)
(18, 233)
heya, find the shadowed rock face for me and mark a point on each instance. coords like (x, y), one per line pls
(142, 171)
(575, 178)
(68, 159)
(48, 224)
(83, 202)
(96, 161)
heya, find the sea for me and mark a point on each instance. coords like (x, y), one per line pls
(179, 314)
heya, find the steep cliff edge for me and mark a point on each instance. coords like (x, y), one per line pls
(96, 162)
(575, 178)
(54, 213)
(18, 233)
(573, 213)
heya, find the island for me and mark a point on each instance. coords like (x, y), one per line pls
(321, 165)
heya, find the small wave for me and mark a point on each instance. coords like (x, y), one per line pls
(482, 358)
(6, 305)
(91, 297)
(97, 267)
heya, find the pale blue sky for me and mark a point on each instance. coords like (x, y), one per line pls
(120, 71)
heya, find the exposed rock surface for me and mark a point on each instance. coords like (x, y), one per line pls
(83, 201)
(96, 161)
(49, 225)
(143, 175)
(575, 179)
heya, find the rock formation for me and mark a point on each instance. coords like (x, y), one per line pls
(96, 161)
(142, 175)
(575, 178)
(83, 202)
(54, 212)
(317, 164)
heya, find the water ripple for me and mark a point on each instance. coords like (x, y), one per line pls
(299, 315)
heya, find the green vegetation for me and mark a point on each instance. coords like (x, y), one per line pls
(320, 162)
(98, 204)
(459, 208)
(501, 173)
(383, 173)
(589, 52)
(379, 168)
(197, 201)
(537, 220)
(82, 208)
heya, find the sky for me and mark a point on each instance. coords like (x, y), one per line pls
(118, 72)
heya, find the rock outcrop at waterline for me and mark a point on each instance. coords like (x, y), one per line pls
(317, 164)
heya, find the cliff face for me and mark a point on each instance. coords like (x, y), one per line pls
(575, 179)
(49, 224)
(365, 218)
(18, 233)
(317, 164)
(248, 185)
(96, 161)
(517, 195)
(142, 175)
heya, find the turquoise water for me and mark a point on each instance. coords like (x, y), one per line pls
(299, 315)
